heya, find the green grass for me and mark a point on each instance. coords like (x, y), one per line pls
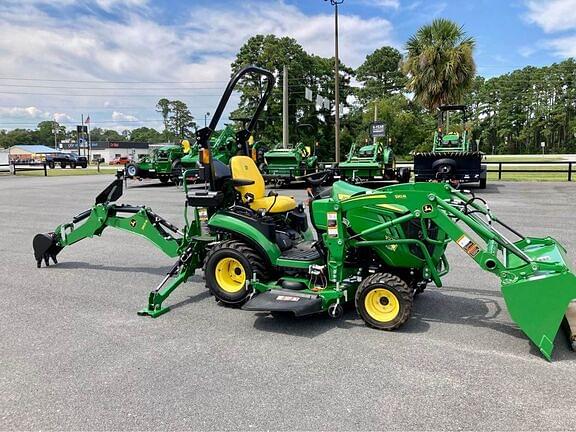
(524, 158)
(58, 172)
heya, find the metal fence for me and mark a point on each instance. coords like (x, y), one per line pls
(16, 166)
(569, 169)
(536, 167)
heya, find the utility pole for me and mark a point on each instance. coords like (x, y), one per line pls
(285, 137)
(375, 119)
(82, 135)
(55, 128)
(335, 3)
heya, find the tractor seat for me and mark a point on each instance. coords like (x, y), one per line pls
(250, 184)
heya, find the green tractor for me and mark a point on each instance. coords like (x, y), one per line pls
(372, 163)
(223, 148)
(451, 158)
(164, 164)
(375, 249)
(284, 165)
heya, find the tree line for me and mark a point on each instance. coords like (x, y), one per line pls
(512, 113)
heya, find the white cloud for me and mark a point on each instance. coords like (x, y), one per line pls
(118, 116)
(62, 117)
(136, 46)
(384, 4)
(564, 47)
(29, 112)
(552, 15)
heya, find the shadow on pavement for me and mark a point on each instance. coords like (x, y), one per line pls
(158, 271)
(190, 300)
(308, 326)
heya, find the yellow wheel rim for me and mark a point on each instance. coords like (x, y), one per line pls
(382, 305)
(230, 275)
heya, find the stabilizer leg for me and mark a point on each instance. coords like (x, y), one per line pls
(179, 273)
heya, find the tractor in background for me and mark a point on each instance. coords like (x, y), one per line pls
(284, 165)
(373, 163)
(163, 163)
(451, 158)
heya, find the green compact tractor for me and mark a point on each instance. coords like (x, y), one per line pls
(375, 249)
(164, 164)
(284, 165)
(373, 163)
(223, 147)
(451, 158)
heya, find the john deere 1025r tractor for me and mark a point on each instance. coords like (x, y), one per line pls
(375, 249)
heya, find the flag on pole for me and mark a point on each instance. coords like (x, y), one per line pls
(87, 119)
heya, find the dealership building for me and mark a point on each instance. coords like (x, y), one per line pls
(108, 150)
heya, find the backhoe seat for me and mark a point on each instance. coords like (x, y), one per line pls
(244, 168)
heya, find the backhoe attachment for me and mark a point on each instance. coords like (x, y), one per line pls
(185, 244)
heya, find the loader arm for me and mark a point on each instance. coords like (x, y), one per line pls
(537, 282)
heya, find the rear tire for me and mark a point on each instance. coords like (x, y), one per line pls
(384, 301)
(177, 171)
(51, 165)
(227, 268)
(132, 170)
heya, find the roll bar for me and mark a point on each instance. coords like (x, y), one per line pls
(204, 134)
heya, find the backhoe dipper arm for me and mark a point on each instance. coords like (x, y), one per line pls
(137, 220)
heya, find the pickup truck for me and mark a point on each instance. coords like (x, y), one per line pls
(65, 160)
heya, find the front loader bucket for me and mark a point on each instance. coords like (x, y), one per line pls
(538, 301)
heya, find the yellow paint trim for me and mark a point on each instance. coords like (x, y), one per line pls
(393, 207)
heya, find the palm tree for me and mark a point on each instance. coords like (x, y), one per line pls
(439, 63)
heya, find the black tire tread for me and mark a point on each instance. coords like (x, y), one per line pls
(393, 281)
(255, 260)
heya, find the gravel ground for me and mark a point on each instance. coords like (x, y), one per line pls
(75, 355)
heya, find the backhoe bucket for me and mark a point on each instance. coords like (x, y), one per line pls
(45, 247)
(539, 300)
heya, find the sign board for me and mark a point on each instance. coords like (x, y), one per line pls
(377, 129)
(82, 129)
(542, 144)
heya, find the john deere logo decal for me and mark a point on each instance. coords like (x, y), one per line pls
(133, 223)
(427, 208)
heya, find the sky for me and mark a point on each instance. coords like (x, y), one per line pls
(113, 59)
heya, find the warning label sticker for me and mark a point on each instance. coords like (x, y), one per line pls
(468, 245)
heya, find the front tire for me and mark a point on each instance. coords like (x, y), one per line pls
(384, 301)
(228, 267)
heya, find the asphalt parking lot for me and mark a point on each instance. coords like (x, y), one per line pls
(74, 354)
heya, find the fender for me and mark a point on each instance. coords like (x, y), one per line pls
(248, 232)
